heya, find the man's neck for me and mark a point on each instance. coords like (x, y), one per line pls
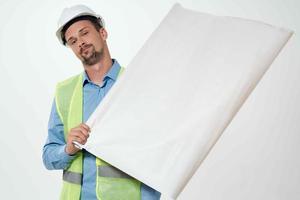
(97, 71)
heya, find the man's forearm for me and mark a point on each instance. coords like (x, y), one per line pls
(55, 157)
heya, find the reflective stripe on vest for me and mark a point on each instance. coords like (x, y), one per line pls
(111, 171)
(72, 177)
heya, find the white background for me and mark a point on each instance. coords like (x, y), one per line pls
(257, 157)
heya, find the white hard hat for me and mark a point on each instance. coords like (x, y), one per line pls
(72, 12)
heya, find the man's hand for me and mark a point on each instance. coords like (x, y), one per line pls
(79, 134)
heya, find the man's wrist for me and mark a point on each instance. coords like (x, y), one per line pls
(65, 156)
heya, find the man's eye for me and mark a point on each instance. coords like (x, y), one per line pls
(84, 33)
(72, 42)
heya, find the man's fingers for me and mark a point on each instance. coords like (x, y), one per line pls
(76, 144)
(84, 131)
(86, 127)
(80, 134)
(79, 140)
(80, 130)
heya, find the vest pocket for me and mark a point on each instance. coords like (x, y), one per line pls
(118, 188)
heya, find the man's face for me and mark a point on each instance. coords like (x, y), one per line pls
(86, 42)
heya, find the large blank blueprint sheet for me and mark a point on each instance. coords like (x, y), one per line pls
(179, 93)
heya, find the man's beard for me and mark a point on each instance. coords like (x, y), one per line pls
(93, 58)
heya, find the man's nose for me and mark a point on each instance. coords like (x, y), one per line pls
(81, 42)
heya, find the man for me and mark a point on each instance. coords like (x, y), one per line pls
(84, 175)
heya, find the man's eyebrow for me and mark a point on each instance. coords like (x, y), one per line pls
(83, 28)
(78, 31)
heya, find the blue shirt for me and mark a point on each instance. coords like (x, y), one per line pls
(54, 155)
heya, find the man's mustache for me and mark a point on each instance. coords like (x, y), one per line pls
(85, 47)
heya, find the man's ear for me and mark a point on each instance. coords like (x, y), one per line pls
(103, 33)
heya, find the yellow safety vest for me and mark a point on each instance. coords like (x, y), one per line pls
(111, 183)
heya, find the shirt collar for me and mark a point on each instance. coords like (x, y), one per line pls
(112, 73)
